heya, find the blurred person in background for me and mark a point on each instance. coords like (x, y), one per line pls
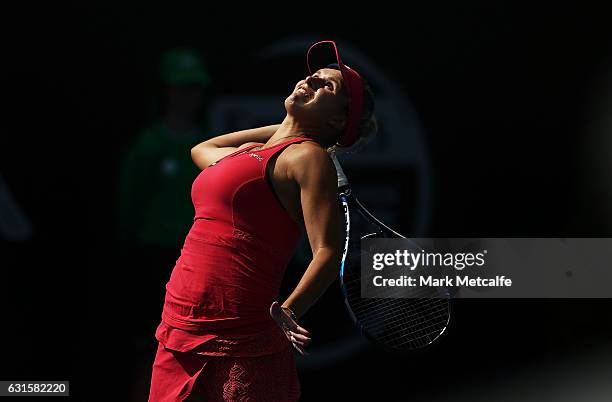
(154, 208)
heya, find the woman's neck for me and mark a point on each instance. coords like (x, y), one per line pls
(291, 128)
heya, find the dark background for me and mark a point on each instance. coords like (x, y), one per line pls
(507, 95)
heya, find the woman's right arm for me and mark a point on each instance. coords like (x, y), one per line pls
(216, 148)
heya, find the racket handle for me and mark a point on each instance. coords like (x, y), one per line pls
(342, 180)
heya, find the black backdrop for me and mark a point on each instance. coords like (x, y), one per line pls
(505, 94)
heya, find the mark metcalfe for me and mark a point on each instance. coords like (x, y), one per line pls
(498, 281)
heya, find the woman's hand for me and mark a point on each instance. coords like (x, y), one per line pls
(213, 149)
(298, 336)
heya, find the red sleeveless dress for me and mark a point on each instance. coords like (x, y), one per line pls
(232, 262)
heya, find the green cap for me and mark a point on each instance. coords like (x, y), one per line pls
(183, 66)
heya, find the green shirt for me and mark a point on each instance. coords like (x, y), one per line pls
(155, 179)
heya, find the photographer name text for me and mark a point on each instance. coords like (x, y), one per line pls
(447, 281)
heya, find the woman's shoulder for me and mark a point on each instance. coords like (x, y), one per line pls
(308, 156)
(308, 147)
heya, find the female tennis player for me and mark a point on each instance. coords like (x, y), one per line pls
(224, 336)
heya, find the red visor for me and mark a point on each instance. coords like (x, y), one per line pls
(352, 82)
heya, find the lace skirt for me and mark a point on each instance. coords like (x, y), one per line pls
(178, 375)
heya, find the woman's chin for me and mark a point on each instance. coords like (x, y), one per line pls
(294, 104)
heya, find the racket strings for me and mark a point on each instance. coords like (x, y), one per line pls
(400, 332)
(408, 308)
(399, 321)
(399, 317)
(420, 332)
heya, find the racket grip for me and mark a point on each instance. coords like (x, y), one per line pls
(342, 180)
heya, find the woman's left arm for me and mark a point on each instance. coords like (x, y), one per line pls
(314, 172)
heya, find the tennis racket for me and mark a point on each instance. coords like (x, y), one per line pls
(411, 319)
